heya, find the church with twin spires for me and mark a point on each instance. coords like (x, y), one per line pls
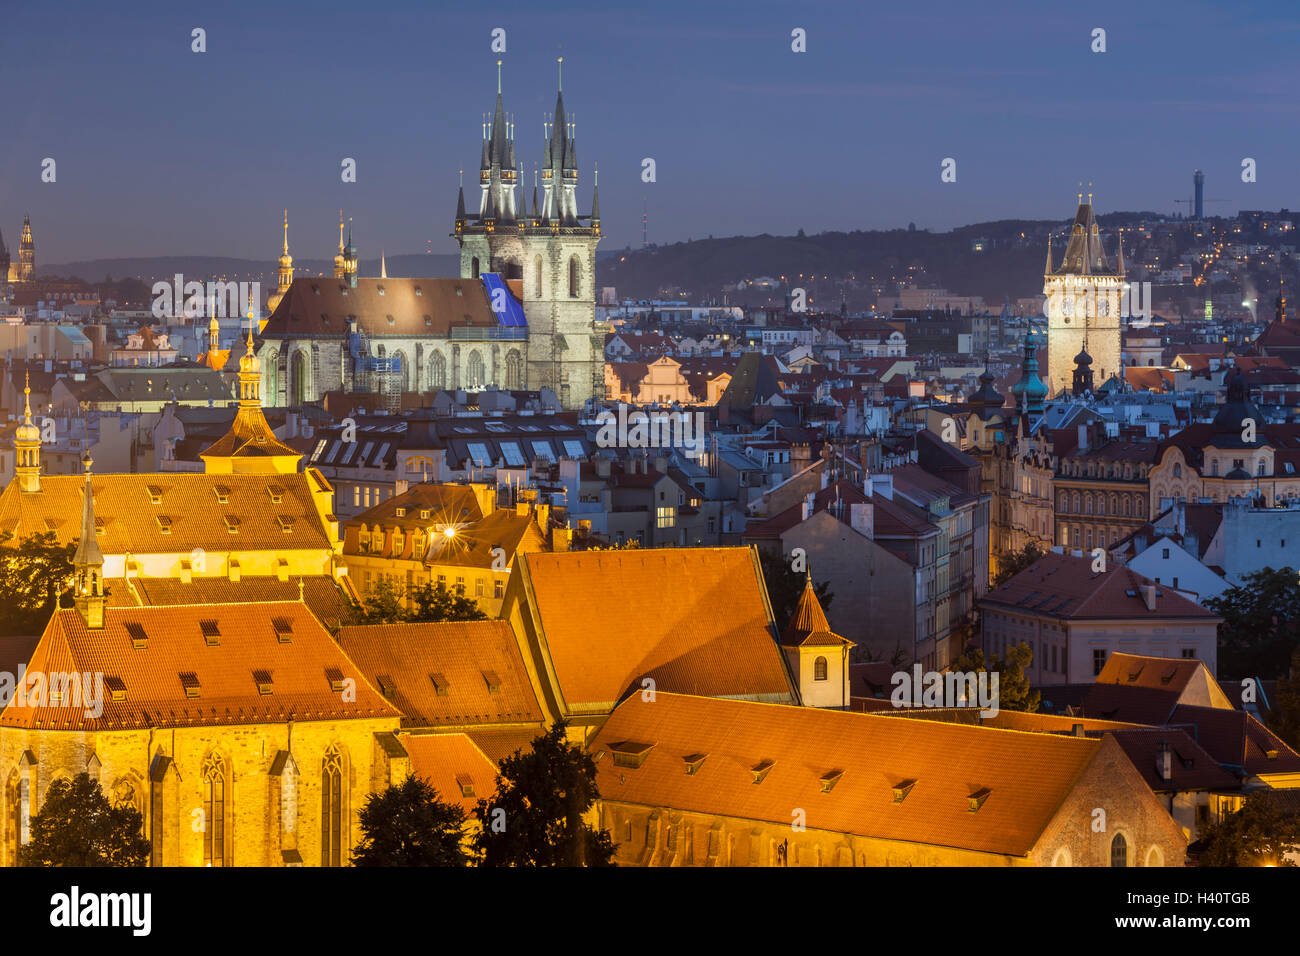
(521, 315)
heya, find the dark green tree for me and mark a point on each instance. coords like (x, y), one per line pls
(77, 826)
(431, 602)
(33, 574)
(784, 585)
(1014, 692)
(1261, 624)
(536, 817)
(1016, 562)
(1262, 833)
(408, 825)
(1284, 718)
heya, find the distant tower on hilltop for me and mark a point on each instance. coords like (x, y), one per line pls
(27, 253)
(1084, 295)
(1198, 184)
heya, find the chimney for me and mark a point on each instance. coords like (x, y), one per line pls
(602, 467)
(861, 518)
(661, 464)
(1149, 596)
(1165, 761)
(808, 503)
(882, 485)
(562, 539)
(1077, 730)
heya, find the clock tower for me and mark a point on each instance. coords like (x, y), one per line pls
(1084, 297)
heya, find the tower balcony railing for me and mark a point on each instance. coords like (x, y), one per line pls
(477, 333)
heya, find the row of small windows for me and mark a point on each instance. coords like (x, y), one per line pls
(1113, 504)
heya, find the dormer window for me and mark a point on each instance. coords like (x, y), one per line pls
(693, 763)
(232, 524)
(977, 799)
(164, 524)
(419, 291)
(630, 753)
(263, 681)
(155, 494)
(116, 689)
(829, 779)
(336, 679)
(761, 769)
(283, 628)
(276, 493)
(136, 631)
(441, 687)
(190, 684)
(401, 512)
(223, 494)
(211, 633)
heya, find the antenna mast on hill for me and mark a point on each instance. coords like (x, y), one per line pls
(644, 241)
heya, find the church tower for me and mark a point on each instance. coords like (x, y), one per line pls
(1084, 295)
(284, 275)
(550, 250)
(88, 562)
(27, 447)
(250, 447)
(340, 262)
(27, 253)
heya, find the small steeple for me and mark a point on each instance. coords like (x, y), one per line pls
(595, 201)
(88, 561)
(383, 265)
(340, 263)
(27, 446)
(1048, 271)
(808, 617)
(1119, 251)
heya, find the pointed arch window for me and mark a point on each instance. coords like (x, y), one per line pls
(214, 811)
(438, 371)
(1119, 851)
(574, 281)
(537, 270)
(331, 790)
(474, 376)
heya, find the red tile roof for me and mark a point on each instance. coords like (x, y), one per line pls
(145, 651)
(1024, 777)
(463, 673)
(1066, 587)
(453, 765)
(691, 619)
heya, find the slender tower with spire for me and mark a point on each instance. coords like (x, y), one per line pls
(27, 253)
(27, 446)
(88, 561)
(549, 252)
(284, 274)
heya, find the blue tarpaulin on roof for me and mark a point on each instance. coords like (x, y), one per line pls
(512, 313)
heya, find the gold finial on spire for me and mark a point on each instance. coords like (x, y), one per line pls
(340, 230)
(27, 398)
(560, 70)
(286, 232)
(498, 77)
(1080, 193)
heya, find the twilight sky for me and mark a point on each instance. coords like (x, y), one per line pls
(160, 150)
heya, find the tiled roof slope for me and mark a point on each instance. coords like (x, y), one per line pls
(694, 620)
(1028, 776)
(446, 674)
(302, 672)
(452, 764)
(197, 517)
(319, 307)
(1063, 586)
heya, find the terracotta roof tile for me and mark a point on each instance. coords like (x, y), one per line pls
(145, 650)
(453, 765)
(692, 619)
(1027, 776)
(436, 671)
(124, 505)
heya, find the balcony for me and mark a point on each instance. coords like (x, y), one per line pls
(475, 333)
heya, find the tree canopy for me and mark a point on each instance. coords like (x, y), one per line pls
(784, 585)
(408, 824)
(1264, 832)
(1016, 562)
(1014, 692)
(1261, 624)
(431, 602)
(537, 815)
(77, 826)
(33, 574)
